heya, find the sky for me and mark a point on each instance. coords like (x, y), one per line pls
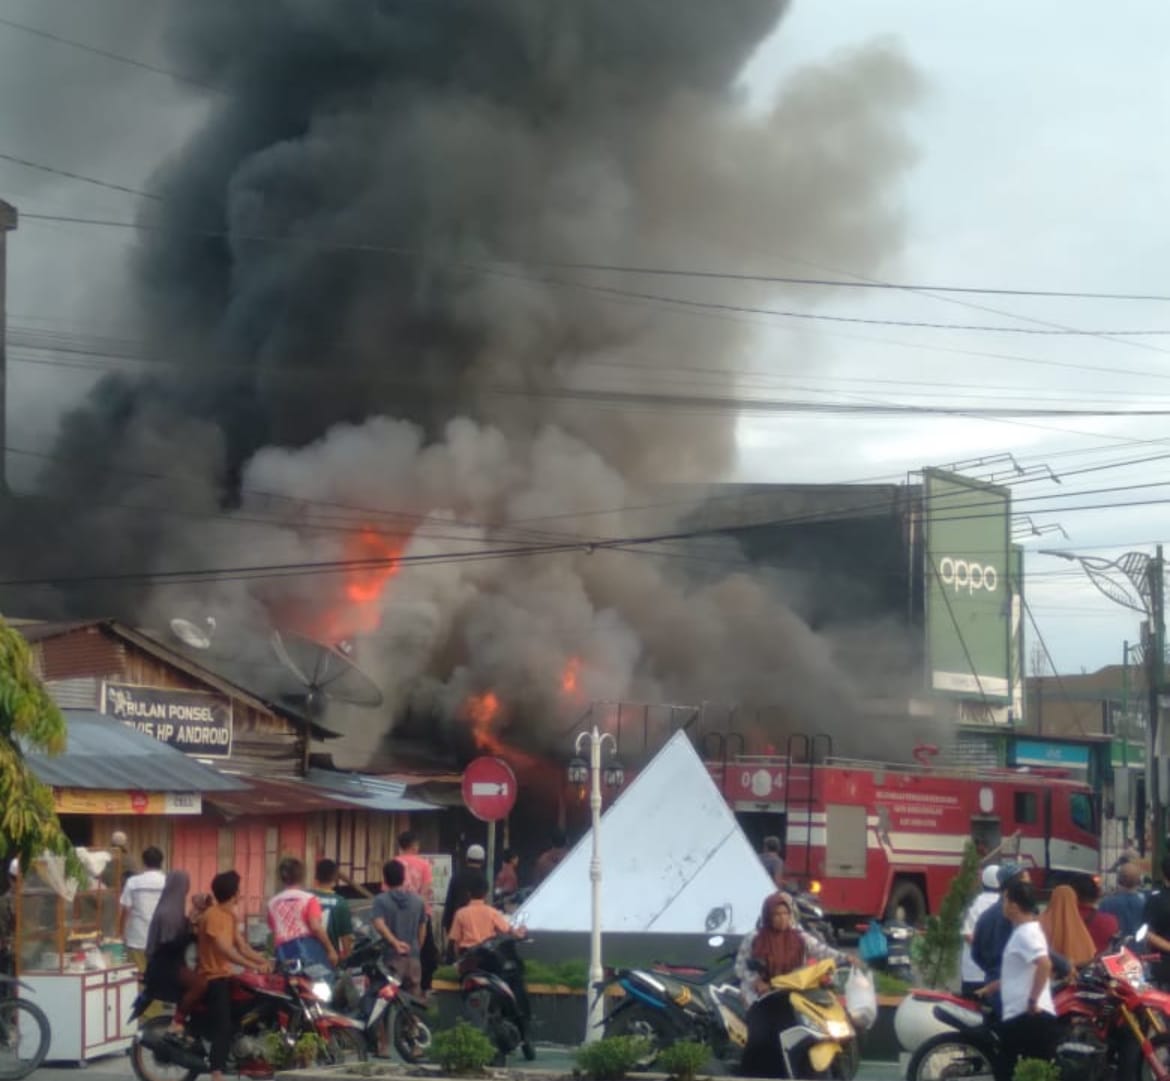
(1040, 164)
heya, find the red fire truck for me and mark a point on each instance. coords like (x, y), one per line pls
(886, 840)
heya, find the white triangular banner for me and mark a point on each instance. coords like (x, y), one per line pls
(671, 853)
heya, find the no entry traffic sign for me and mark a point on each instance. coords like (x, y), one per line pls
(489, 788)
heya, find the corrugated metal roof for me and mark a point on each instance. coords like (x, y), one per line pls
(272, 797)
(105, 754)
(369, 793)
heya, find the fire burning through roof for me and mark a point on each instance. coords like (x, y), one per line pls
(375, 562)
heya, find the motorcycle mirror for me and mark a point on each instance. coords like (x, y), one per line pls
(715, 941)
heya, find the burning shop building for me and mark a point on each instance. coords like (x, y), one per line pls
(396, 400)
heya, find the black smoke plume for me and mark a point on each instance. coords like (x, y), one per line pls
(362, 287)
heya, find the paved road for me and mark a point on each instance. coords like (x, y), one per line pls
(117, 1068)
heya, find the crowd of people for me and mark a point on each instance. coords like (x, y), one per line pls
(1012, 952)
(187, 944)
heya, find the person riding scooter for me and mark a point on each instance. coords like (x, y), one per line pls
(776, 948)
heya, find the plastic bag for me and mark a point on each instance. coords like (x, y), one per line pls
(872, 947)
(861, 1000)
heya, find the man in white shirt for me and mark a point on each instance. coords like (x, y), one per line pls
(139, 900)
(970, 973)
(1029, 1014)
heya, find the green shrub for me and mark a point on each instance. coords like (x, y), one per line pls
(308, 1049)
(462, 1049)
(885, 984)
(612, 1058)
(1036, 1069)
(684, 1059)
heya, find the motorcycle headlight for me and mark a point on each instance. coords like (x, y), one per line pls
(322, 991)
(809, 1021)
(839, 1030)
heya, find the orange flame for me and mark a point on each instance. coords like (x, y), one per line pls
(364, 585)
(569, 678)
(484, 711)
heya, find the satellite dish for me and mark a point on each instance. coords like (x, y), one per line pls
(191, 634)
(324, 672)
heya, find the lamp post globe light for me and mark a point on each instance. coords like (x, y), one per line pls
(1136, 581)
(614, 776)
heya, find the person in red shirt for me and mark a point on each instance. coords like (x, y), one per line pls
(1103, 927)
(298, 921)
(508, 879)
(420, 879)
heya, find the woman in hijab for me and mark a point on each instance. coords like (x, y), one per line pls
(777, 947)
(167, 939)
(1064, 927)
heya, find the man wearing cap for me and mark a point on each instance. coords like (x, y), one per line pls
(993, 928)
(459, 888)
(972, 975)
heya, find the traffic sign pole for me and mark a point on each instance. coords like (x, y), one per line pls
(491, 861)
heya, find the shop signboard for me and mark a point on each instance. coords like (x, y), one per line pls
(969, 594)
(197, 723)
(1036, 752)
(96, 801)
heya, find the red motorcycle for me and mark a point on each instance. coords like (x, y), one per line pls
(1114, 1023)
(277, 1019)
(1113, 1028)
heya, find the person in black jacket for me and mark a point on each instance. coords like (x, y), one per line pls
(459, 889)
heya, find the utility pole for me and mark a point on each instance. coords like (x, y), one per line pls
(7, 225)
(1154, 664)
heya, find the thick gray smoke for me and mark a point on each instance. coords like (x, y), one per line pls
(363, 288)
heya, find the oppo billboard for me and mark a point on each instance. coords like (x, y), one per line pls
(968, 568)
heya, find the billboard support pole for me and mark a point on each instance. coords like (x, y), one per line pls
(1154, 661)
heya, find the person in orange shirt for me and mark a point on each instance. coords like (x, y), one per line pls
(477, 921)
(220, 946)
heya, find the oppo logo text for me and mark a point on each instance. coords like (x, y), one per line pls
(965, 577)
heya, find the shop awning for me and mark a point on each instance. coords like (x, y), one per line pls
(363, 790)
(321, 790)
(104, 754)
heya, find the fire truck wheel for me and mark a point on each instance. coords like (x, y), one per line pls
(907, 903)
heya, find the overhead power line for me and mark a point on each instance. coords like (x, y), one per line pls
(120, 58)
(362, 247)
(76, 176)
(512, 551)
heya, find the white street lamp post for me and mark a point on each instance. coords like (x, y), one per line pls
(594, 1001)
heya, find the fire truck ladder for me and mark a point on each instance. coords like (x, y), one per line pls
(807, 748)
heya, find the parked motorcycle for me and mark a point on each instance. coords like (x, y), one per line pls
(495, 999)
(24, 1031)
(391, 1017)
(1113, 1028)
(666, 1002)
(270, 1014)
(810, 914)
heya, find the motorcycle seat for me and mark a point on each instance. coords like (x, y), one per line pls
(261, 981)
(958, 1017)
